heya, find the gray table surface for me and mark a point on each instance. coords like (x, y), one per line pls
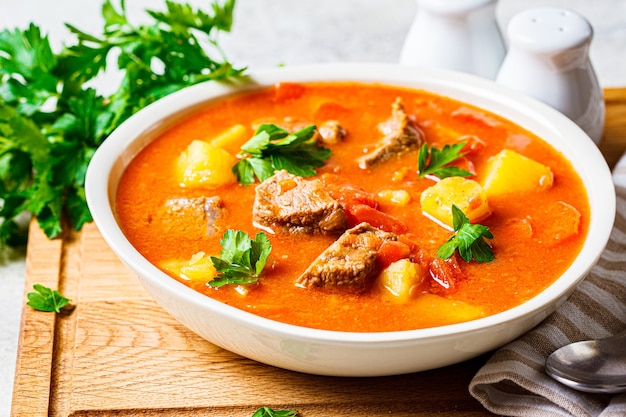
(267, 33)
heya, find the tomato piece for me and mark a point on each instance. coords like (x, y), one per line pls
(330, 110)
(472, 143)
(347, 194)
(562, 223)
(445, 274)
(466, 165)
(391, 251)
(288, 91)
(359, 213)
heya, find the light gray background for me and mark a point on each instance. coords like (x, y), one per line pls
(267, 33)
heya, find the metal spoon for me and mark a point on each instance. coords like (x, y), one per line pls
(597, 366)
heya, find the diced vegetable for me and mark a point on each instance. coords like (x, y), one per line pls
(231, 139)
(286, 91)
(468, 195)
(402, 279)
(204, 166)
(564, 224)
(391, 251)
(346, 193)
(396, 197)
(473, 143)
(511, 172)
(359, 213)
(198, 268)
(444, 274)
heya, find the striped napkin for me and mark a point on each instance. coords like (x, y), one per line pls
(513, 382)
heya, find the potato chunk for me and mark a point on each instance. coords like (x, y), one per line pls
(468, 195)
(204, 166)
(445, 311)
(401, 279)
(396, 197)
(511, 172)
(231, 139)
(198, 268)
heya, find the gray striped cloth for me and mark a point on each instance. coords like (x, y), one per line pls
(513, 381)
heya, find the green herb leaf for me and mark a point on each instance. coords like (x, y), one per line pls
(268, 412)
(242, 259)
(435, 161)
(272, 148)
(468, 239)
(51, 122)
(45, 299)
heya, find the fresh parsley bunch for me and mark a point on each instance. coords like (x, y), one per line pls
(51, 121)
(273, 148)
(468, 239)
(242, 259)
(435, 161)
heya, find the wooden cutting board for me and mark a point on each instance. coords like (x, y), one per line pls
(119, 354)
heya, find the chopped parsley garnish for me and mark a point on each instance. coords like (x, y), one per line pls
(268, 412)
(51, 121)
(435, 161)
(468, 239)
(273, 148)
(45, 299)
(242, 259)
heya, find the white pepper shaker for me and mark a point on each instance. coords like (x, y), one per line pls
(548, 59)
(461, 35)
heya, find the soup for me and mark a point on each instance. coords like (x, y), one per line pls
(377, 205)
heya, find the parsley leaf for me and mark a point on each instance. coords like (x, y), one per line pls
(468, 239)
(44, 299)
(268, 412)
(272, 148)
(434, 161)
(242, 259)
(52, 122)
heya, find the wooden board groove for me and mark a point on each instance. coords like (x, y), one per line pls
(119, 354)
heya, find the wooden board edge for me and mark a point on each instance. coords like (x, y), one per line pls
(31, 389)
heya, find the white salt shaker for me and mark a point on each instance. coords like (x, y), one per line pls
(461, 35)
(548, 59)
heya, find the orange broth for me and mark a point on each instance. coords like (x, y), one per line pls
(525, 262)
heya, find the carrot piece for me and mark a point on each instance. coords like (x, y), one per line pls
(391, 251)
(359, 213)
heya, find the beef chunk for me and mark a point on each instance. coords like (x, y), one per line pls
(330, 132)
(349, 263)
(201, 214)
(401, 135)
(295, 205)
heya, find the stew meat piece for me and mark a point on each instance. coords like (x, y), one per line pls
(192, 214)
(330, 133)
(401, 135)
(349, 263)
(295, 205)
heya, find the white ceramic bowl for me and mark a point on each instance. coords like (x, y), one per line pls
(346, 353)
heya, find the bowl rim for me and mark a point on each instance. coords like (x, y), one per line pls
(460, 86)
